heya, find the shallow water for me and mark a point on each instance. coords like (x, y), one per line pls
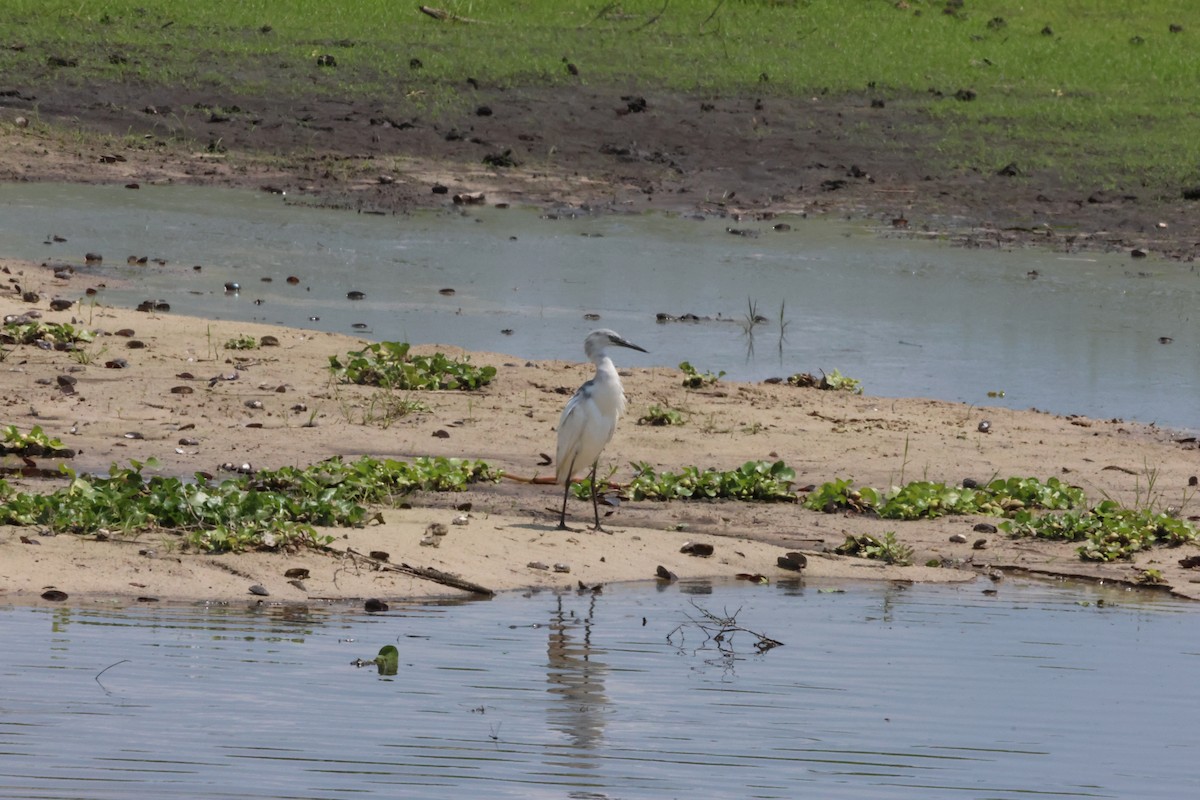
(908, 318)
(878, 692)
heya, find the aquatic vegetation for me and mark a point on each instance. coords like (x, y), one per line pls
(269, 510)
(886, 549)
(243, 342)
(59, 334)
(387, 662)
(840, 495)
(755, 480)
(34, 443)
(1108, 531)
(834, 381)
(693, 379)
(919, 499)
(659, 416)
(752, 319)
(390, 365)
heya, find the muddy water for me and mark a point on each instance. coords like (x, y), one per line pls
(877, 692)
(1067, 333)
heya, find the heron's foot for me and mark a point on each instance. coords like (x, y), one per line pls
(598, 528)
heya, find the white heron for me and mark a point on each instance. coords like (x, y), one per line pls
(590, 419)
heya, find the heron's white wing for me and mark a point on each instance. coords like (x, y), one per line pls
(571, 427)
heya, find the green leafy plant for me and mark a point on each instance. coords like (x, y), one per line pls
(1047, 510)
(927, 499)
(1151, 577)
(61, 335)
(1107, 531)
(887, 549)
(659, 416)
(840, 495)
(273, 509)
(754, 480)
(242, 342)
(390, 365)
(34, 443)
(388, 660)
(692, 379)
(834, 381)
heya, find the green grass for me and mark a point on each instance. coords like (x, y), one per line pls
(1110, 94)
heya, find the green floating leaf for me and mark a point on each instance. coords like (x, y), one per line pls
(388, 660)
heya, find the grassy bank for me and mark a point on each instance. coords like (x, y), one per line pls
(1090, 87)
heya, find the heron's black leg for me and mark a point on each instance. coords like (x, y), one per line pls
(595, 504)
(596, 498)
(562, 520)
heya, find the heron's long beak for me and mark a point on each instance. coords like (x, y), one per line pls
(627, 343)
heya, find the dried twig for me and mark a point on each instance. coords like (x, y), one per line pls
(427, 573)
(444, 16)
(654, 18)
(720, 630)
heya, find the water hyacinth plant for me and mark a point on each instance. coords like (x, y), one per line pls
(390, 365)
(271, 510)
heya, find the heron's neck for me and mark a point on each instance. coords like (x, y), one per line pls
(605, 371)
(607, 391)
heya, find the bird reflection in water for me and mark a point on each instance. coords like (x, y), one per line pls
(576, 678)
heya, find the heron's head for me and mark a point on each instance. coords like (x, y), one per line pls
(596, 341)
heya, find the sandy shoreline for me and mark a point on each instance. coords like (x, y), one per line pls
(823, 435)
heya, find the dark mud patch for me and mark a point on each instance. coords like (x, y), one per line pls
(593, 149)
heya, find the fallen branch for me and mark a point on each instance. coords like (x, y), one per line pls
(426, 573)
(444, 16)
(546, 479)
(719, 631)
